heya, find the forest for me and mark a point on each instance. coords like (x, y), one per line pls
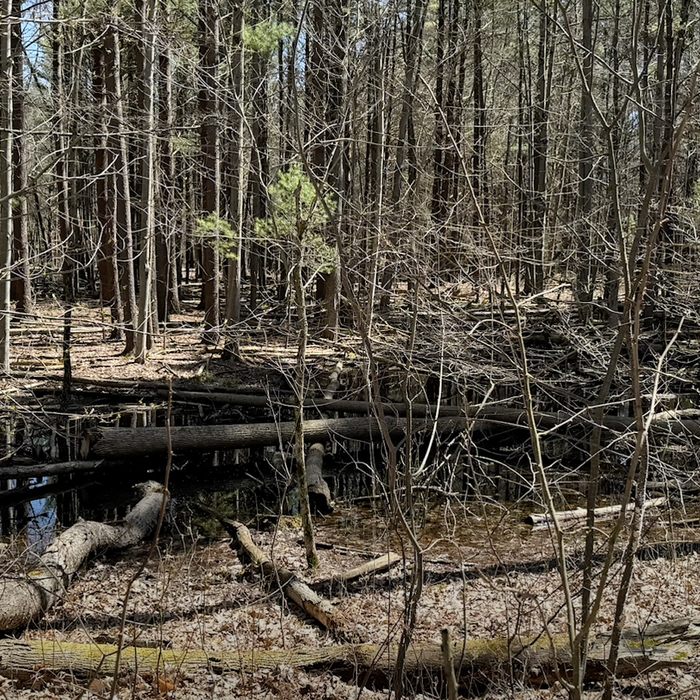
(349, 348)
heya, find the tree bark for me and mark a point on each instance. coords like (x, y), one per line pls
(5, 185)
(375, 566)
(23, 600)
(120, 442)
(319, 494)
(22, 280)
(146, 311)
(211, 162)
(107, 264)
(124, 442)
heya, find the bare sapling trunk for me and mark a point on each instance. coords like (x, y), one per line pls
(144, 326)
(5, 184)
(304, 506)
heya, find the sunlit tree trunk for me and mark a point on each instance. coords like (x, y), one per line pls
(587, 266)
(5, 181)
(148, 185)
(167, 295)
(236, 188)
(119, 155)
(107, 255)
(259, 161)
(211, 167)
(405, 141)
(21, 281)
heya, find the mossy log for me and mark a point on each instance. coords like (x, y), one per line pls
(475, 661)
(278, 576)
(24, 599)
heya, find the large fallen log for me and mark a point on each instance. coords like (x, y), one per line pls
(278, 576)
(542, 520)
(124, 442)
(475, 661)
(24, 599)
(25, 471)
(669, 422)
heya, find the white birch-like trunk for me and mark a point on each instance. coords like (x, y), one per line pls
(5, 181)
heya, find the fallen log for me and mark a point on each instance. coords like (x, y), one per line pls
(278, 576)
(124, 442)
(670, 422)
(542, 520)
(475, 661)
(28, 471)
(674, 423)
(24, 599)
(374, 566)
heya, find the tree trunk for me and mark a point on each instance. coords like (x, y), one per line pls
(236, 188)
(107, 256)
(211, 175)
(126, 442)
(587, 265)
(5, 184)
(23, 600)
(144, 327)
(22, 281)
(119, 154)
(299, 423)
(542, 520)
(374, 566)
(25, 471)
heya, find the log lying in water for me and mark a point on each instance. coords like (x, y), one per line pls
(475, 661)
(541, 520)
(669, 422)
(26, 471)
(24, 599)
(278, 576)
(128, 442)
(125, 442)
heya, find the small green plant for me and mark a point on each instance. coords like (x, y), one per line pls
(219, 233)
(264, 36)
(299, 215)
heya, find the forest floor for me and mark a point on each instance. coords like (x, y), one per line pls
(486, 574)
